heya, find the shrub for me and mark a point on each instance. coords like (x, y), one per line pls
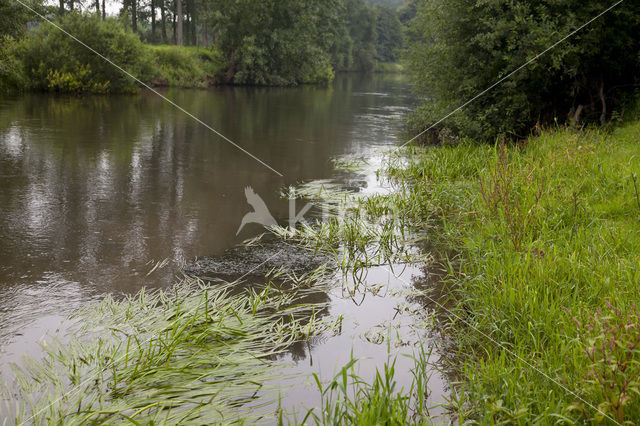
(10, 75)
(54, 61)
(459, 48)
(185, 66)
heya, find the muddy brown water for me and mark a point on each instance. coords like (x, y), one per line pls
(93, 189)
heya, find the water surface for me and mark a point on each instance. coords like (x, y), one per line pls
(93, 190)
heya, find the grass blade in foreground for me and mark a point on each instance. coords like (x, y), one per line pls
(190, 354)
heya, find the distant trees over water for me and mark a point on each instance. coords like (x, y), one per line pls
(459, 48)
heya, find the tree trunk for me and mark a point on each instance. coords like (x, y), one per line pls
(163, 18)
(173, 19)
(194, 26)
(134, 15)
(603, 100)
(61, 7)
(104, 11)
(98, 7)
(187, 22)
(153, 21)
(179, 17)
(71, 5)
(205, 41)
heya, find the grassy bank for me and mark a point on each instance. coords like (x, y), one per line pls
(46, 59)
(188, 67)
(545, 275)
(541, 243)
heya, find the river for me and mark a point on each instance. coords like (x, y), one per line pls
(96, 189)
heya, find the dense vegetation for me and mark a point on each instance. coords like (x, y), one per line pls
(541, 243)
(266, 43)
(459, 48)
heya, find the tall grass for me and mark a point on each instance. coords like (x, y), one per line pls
(181, 66)
(195, 353)
(541, 243)
(540, 237)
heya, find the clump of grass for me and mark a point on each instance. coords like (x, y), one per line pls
(352, 399)
(180, 66)
(610, 339)
(194, 353)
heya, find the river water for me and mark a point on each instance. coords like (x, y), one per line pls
(93, 190)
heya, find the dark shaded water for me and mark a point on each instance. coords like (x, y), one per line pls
(93, 189)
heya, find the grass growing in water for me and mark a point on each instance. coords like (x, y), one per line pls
(194, 354)
(541, 241)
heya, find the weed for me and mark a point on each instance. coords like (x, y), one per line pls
(610, 340)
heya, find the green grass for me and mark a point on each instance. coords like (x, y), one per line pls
(543, 236)
(191, 354)
(348, 399)
(188, 67)
(542, 241)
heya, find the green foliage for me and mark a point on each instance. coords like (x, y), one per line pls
(10, 69)
(185, 66)
(53, 61)
(192, 354)
(367, 36)
(14, 17)
(461, 47)
(531, 232)
(351, 399)
(389, 36)
(610, 340)
(274, 42)
(393, 4)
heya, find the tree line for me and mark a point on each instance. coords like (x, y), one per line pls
(266, 42)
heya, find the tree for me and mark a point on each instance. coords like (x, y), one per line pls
(461, 47)
(274, 42)
(388, 35)
(51, 60)
(179, 41)
(163, 19)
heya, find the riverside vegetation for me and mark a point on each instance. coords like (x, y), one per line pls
(273, 43)
(540, 242)
(539, 235)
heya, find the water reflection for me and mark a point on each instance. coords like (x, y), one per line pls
(92, 189)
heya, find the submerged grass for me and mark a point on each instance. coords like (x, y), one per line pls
(192, 354)
(541, 241)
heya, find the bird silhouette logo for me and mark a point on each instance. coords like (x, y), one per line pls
(260, 213)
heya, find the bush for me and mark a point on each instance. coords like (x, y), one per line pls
(185, 66)
(10, 75)
(53, 61)
(275, 42)
(461, 47)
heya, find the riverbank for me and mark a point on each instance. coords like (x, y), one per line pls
(544, 272)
